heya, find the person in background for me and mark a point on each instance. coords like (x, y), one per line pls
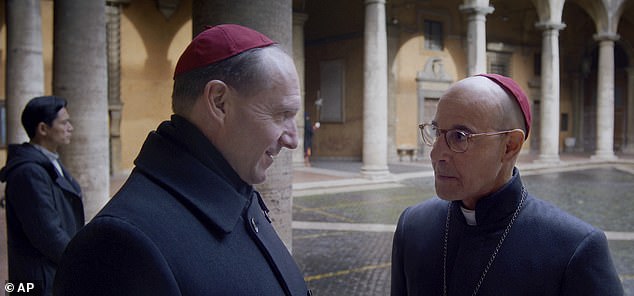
(188, 220)
(309, 132)
(44, 206)
(485, 234)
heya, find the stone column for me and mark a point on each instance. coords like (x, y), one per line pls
(80, 75)
(629, 137)
(274, 19)
(115, 105)
(605, 97)
(393, 46)
(549, 108)
(375, 92)
(476, 37)
(298, 56)
(25, 65)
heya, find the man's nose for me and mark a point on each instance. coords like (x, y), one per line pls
(440, 149)
(289, 136)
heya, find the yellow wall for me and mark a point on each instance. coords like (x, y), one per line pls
(150, 47)
(410, 59)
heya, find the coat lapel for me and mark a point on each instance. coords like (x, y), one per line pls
(222, 209)
(274, 250)
(67, 182)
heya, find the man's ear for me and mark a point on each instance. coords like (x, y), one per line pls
(215, 96)
(514, 142)
(41, 129)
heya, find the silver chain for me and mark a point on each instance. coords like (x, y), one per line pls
(495, 252)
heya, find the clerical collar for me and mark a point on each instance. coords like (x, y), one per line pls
(498, 205)
(469, 215)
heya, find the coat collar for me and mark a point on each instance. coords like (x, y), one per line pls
(499, 205)
(19, 154)
(181, 158)
(68, 183)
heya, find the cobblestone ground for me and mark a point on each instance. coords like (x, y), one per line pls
(356, 260)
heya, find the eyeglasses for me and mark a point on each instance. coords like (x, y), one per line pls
(457, 140)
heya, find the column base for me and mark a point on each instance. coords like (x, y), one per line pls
(376, 173)
(604, 155)
(299, 164)
(548, 159)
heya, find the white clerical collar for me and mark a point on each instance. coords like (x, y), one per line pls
(469, 215)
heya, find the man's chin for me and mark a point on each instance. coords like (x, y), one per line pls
(447, 195)
(257, 181)
(258, 177)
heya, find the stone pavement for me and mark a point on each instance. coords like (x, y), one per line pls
(343, 224)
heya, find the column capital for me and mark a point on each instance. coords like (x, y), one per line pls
(546, 26)
(606, 36)
(368, 2)
(475, 9)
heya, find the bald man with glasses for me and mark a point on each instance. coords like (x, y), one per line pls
(485, 234)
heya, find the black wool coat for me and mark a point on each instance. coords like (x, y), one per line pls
(44, 210)
(546, 252)
(184, 223)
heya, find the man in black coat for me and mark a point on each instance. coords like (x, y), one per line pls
(44, 206)
(485, 234)
(188, 220)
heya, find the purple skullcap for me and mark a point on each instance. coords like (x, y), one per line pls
(516, 92)
(217, 43)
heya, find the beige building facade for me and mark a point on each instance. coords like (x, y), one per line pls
(552, 48)
(429, 45)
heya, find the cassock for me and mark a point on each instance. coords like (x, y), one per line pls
(545, 252)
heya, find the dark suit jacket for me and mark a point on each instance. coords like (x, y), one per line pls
(182, 224)
(547, 251)
(44, 211)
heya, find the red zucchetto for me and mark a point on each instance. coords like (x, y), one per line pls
(217, 43)
(513, 89)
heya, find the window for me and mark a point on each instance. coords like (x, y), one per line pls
(433, 35)
(499, 63)
(331, 92)
(501, 69)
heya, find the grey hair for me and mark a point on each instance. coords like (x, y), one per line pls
(512, 116)
(246, 73)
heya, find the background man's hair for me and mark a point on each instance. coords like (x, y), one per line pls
(41, 109)
(246, 73)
